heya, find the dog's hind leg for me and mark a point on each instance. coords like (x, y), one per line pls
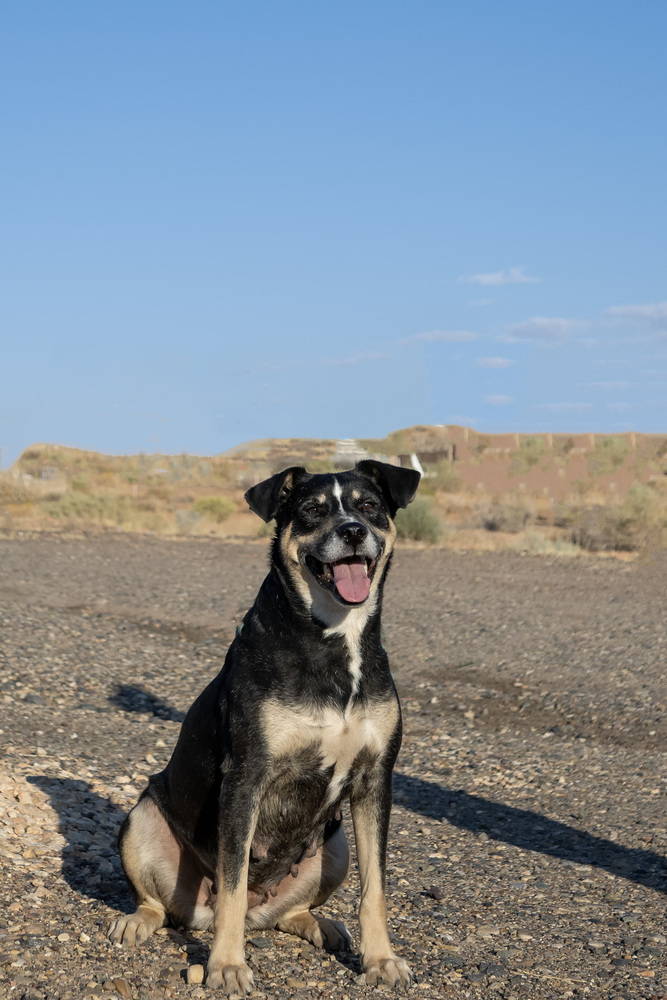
(165, 878)
(290, 910)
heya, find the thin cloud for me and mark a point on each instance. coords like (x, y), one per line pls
(507, 276)
(549, 329)
(652, 315)
(494, 362)
(610, 363)
(618, 407)
(565, 407)
(498, 400)
(445, 336)
(356, 359)
(611, 386)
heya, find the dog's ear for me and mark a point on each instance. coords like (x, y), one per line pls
(266, 498)
(398, 485)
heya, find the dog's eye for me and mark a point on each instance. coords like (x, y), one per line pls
(311, 510)
(367, 505)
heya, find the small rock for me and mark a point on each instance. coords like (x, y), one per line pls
(63, 937)
(524, 936)
(295, 984)
(195, 974)
(260, 942)
(122, 987)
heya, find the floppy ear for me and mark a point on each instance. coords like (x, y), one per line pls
(266, 498)
(398, 485)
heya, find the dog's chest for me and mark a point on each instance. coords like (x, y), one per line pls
(337, 738)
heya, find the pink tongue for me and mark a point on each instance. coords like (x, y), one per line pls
(351, 580)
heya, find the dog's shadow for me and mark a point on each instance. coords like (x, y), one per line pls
(530, 831)
(132, 698)
(90, 824)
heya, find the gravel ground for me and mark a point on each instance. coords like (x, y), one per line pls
(529, 830)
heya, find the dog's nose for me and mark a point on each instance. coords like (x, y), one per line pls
(352, 532)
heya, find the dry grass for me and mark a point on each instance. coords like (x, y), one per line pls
(63, 489)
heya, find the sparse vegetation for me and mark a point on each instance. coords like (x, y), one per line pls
(609, 453)
(217, 508)
(559, 505)
(530, 453)
(418, 523)
(509, 516)
(441, 476)
(625, 527)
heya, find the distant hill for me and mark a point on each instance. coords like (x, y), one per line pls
(473, 482)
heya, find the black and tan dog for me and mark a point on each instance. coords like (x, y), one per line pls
(243, 827)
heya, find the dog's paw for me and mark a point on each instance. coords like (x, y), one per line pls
(320, 931)
(391, 970)
(135, 928)
(230, 978)
(331, 934)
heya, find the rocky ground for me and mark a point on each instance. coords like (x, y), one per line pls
(528, 838)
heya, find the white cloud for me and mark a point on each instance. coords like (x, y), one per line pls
(446, 336)
(508, 276)
(618, 407)
(498, 400)
(652, 315)
(611, 386)
(565, 407)
(550, 329)
(356, 359)
(494, 362)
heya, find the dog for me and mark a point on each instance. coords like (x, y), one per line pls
(242, 829)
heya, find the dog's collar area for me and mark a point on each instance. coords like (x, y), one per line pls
(349, 580)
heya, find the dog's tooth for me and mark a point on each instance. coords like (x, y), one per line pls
(294, 871)
(273, 890)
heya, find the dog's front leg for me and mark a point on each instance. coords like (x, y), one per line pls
(227, 967)
(370, 810)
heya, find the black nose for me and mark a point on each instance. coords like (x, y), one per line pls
(352, 532)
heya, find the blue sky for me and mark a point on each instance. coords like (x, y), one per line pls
(223, 221)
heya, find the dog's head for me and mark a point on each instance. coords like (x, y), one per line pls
(335, 533)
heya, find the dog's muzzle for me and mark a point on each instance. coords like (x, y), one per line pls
(347, 576)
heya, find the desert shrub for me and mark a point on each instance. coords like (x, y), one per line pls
(80, 484)
(566, 515)
(266, 529)
(81, 507)
(14, 491)
(535, 542)
(418, 523)
(608, 454)
(623, 528)
(216, 508)
(508, 517)
(531, 450)
(317, 465)
(606, 529)
(441, 476)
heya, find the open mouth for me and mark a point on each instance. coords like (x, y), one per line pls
(349, 579)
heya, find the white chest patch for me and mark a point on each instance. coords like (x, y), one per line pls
(338, 736)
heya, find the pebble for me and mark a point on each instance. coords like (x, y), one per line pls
(195, 974)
